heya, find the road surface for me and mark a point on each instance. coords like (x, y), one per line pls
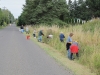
(19, 56)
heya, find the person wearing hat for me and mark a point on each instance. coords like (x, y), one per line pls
(68, 44)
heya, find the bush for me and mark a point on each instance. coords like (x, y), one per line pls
(59, 23)
(56, 22)
(4, 23)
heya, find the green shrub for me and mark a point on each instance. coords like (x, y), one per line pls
(4, 23)
(59, 23)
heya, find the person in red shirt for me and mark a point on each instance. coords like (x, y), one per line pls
(74, 49)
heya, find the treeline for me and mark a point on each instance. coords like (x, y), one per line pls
(6, 17)
(58, 12)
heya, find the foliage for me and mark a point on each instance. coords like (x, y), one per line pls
(94, 7)
(4, 23)
(45, 12)
(41, 11)
(84, 9)
(6, 17)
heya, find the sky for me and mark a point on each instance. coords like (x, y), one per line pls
(14, 6)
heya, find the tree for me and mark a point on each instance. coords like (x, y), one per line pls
(70, 5)
(80, 2)
(44, 11)
(79, 10)
(94, 7)
(5, 16)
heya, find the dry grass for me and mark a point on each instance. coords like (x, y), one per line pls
(78, 69)
(89, 44)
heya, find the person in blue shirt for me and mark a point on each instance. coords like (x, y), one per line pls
(61, 36)
(68, 44)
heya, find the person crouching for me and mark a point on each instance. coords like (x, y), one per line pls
(74, 49)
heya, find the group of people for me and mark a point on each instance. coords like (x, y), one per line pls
(21, 29)
(24, 30)
(40, 34)
(71, 46)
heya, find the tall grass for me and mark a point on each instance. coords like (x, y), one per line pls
(88, 37)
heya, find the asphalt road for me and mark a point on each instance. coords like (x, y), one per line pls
(19, 56)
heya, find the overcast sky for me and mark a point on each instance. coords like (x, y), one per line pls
(14, 6)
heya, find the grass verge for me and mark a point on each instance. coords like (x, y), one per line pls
(75, 67)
